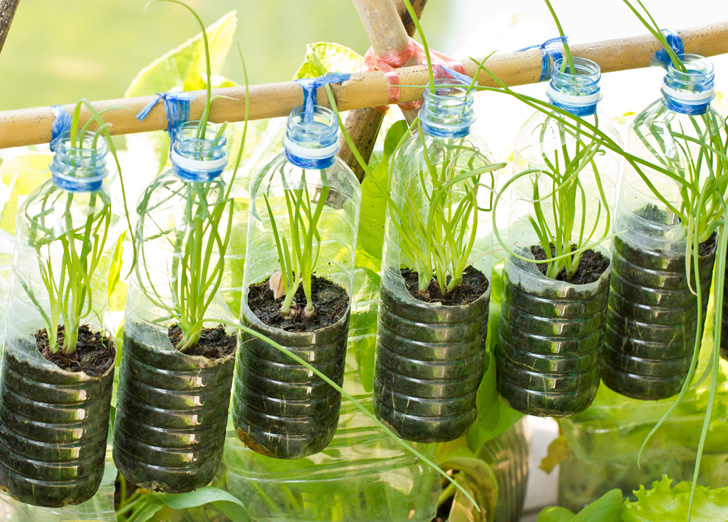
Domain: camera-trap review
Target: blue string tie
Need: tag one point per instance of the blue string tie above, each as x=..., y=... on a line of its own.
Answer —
x=61, y=125
x=176, y=106
x=662, y=57
x=311, y=144
x=550, y=52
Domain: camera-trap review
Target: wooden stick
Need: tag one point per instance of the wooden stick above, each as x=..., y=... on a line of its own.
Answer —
x=363, y=125
x=7, y=12
x=33, y=126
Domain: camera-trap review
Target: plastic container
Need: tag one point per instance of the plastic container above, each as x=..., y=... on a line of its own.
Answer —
x=361, y=476
x=550, y=334
x=430, y=356
x=280, y=408
x=54, y=422
x=172, y=407
x=652, y=319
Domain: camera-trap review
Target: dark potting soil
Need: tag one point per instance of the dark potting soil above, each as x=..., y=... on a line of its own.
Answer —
x=443, y=510
x=95, y=351
x=592, y=265
x=655, y=214
x=330, y=300
x=474, y=284
x=214, y=343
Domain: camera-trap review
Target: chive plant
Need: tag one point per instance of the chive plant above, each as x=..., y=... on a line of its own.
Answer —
x=68, y=284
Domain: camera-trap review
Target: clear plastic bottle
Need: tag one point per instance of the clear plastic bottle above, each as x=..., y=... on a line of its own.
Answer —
x=173, y=404
x=652, y=320
x=430, y=355
x=53, y=421
x=280, y=408
x=551, y=330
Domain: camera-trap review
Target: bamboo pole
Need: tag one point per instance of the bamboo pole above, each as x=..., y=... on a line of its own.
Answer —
x=363, y=124
x=33, y=126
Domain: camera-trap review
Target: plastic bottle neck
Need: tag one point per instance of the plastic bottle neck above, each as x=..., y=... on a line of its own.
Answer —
x=195, y=159
x=690, y=91
x=575, y=90
x=447, y=112
x=79, y=169
x=312, y=142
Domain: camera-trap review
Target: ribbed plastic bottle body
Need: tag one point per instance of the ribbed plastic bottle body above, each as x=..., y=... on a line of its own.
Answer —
x=172, y=410
x=280, y=408
x=652, y=321
x=430, y=356
x=54, y=422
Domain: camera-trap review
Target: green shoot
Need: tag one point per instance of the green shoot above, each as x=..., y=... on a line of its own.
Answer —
x=69, y=254
x=567, y=51
x=201, y=129
x=299, y=254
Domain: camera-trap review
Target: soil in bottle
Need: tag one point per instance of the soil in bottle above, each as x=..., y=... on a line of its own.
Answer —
x=473, y=285
x=214, y=343
x=94, y=354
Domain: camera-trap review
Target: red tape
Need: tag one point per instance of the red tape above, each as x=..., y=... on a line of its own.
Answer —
x=389, y=62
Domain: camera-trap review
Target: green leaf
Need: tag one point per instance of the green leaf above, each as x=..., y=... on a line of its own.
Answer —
x=374, y=203
x=666, y=504
x=608, y=508
x=557, y=453
x=555, y=514
x=322, y=57
x=477, y=477
x=23, y=174
x=116, y=287
x=147, y=509
x=198, y=497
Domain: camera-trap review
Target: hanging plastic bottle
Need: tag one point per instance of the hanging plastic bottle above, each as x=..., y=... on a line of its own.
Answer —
x=652, y=322
x=435, y=290
x=299, y=271
x=177, y=364
x=58, y=362
x=553, y=314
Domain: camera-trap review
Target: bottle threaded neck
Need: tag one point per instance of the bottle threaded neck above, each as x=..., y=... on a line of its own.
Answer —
x=575, y=90
x=691, y=91
x=312, y=140
x=81, y=168
x=198, y=159
x=447, y=112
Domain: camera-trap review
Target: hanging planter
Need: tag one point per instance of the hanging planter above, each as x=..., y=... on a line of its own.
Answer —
x=177, y=363
x=556, y=284
x=655, y=319
x=58, y=363
x=299, y=272
x=433, y=312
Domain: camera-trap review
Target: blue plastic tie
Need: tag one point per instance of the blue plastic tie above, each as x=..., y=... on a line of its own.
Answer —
x=60, y=126
x=550, y=52
x=662, y=57
x=310, y=85
x=176, y=105
x=460, y=77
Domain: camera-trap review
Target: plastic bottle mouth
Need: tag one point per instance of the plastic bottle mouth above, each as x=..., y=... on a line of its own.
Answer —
x=447, y=112
x=575, y=90
x=195, y=159
x=79, y=169
x=312, y=140
x=690, y=91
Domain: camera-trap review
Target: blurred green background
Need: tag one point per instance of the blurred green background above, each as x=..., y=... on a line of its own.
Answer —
x=58, y=51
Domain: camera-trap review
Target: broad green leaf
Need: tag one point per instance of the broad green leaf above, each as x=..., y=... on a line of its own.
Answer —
x=146, y=509
x=232, y=511
x=666, y=504
x=198, y=497
x=557, y=452
x=23, y=174
x=322, y=57
x=555, y=514
x=374, y=203
x=479, y=480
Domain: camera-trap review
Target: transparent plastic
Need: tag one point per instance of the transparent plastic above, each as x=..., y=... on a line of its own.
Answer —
x=53, y=422
x=280, y=408
x=652, y=320
x=430, y=356
x=172, y=410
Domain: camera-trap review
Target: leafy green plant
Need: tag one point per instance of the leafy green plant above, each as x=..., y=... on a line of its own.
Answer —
x=68, y=284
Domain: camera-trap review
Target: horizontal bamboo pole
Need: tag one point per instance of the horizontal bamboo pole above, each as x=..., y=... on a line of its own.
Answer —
x=33, y=126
